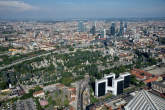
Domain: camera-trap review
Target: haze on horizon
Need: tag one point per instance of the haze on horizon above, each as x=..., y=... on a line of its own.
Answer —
x=59, y=9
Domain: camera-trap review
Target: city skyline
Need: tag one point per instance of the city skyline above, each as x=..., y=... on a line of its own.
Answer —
x=61, y=55
x=64, y=9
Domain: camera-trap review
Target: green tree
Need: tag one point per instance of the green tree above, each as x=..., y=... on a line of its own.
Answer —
x=116, y=58
x=66, y=102
x=133, y=80
x=51, y=101
x=71, y=49
x=3, y=85
x=37, y=88
x=66, y=80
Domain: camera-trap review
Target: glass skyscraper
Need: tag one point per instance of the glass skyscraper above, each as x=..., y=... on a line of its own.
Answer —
x=93, y=30
x=81, y=27
x=121, y=31
x=112, y=29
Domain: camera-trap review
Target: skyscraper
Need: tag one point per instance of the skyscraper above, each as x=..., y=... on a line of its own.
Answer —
x=112, y=29
x=105, y=33
x=125, y=27
x=121, y=31
x=126, y=78
x=81, y=27
x=93, y=30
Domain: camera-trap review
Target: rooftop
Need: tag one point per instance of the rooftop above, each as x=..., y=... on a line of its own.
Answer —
x=38, y=92
x=145, y=100
x=157, y=70
x=146, y=76
x=160, y=83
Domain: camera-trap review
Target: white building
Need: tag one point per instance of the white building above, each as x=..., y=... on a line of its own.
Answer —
x=112, y=84
x=100, y=85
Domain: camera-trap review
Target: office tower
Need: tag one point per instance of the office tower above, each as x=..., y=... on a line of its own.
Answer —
x=121, y=31
x=112, y=84
x=145, y=100
x=100, y=87
x=110, y=78
x=105, y=33
x=93, y=30
x=110, y=81
x=112, y=29
x=81, y=27
x=125, y=27
x=118, y=85
x=126, y=78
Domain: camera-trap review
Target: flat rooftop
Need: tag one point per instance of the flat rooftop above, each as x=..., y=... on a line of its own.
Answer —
x=160, y=83
x=156, y=70
x=116, y=103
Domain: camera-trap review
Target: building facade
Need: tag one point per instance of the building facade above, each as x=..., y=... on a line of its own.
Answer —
x=112, y=84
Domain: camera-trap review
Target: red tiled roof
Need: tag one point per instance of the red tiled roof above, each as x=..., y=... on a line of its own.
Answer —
x=143, y=74
x=140, y=73
x=151, y=80
x=72, y=89
x=38, y=92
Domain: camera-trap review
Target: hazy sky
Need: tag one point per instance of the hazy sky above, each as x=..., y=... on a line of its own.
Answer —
x=52, y=9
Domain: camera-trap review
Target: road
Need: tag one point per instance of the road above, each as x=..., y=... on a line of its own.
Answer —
x=4, y=53
x=22, y=60
x=30, y=58
x=83, y=84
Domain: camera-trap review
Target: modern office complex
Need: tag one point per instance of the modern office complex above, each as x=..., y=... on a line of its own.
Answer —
x=105, y=33
x=126, y=78
x=121, y=29
x=112, y=84
x=93, y=30
x=112, y=29
x=145, y=100
x=81, y=27
x=100, y=87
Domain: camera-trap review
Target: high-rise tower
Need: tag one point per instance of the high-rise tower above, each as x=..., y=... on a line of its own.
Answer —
x=93, y=30
x=125, y=27
x=112, y=29
x=105, y=33
x=121, y=31
x=81, y=27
